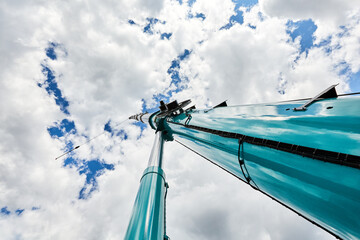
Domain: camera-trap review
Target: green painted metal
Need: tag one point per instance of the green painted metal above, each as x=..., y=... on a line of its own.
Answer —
x=147, y=219
x=151, y=120
x=325, y=193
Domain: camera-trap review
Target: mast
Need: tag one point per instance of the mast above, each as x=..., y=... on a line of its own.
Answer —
x=148, y=218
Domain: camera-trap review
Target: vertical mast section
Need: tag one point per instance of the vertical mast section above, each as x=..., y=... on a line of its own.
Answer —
x=148, y=215
x=156, y=154
x=148, y=218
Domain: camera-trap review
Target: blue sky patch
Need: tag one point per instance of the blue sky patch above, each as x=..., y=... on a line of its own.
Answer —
x=354, y=82
x=52, y=88
x=140, y=124
x=55, y=132
x=325, y=45
x=344, y=32
x=176, y=82
x=237, y=18
x=70, y=162
x=60, y=129
x=353, y=78
x=50, y=51
x=5, y=211
x=68, y=126
x=165, y=35
x=107, y=127
x=19, y=211
x=251, y=26
x=122, y=134
x=191, y=2
x=143, y=105
x=344, y=68
x=261, y=16
x=197, y=15
x=303, y=29
x=200, y=15
x=173, y=71
x=176, y=85
x=131, y=22
x=184, y=55
x=244, y=3
x=149, y=27
x=92, y=170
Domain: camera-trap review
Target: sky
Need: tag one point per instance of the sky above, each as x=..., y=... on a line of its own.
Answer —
x=75, y=70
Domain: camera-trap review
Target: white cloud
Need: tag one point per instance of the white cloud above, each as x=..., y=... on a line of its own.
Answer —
x=247, y=65
x=122, y=64
x=346, y=43
x=241, y=64
x=217, y=12
x=333, y=12
x=328, y=15
x=105, y=67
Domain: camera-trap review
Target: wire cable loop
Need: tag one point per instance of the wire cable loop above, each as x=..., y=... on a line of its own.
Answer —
x=243, y=168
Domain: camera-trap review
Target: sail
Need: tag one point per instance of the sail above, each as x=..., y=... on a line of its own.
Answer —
x=307, y=160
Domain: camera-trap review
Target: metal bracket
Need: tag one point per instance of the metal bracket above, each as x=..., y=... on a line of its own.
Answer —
x=138, y=116
x=330, y=92
x=187, y=121
x=223, y=104
x=172, y=108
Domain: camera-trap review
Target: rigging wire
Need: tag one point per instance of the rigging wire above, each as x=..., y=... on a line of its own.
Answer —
x=73, y=149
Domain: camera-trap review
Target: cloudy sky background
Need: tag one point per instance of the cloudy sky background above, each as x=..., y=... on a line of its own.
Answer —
x=71, y=70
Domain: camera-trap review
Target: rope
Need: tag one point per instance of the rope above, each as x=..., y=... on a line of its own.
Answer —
x=243, y=166
x=88, y=141
x=166, y=190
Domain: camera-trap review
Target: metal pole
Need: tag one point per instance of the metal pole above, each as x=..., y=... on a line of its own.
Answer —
x=147, y=219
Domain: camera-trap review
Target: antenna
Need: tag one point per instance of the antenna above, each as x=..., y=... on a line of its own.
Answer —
x=73, y=149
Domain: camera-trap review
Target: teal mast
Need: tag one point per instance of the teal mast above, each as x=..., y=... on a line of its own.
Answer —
x=304, y=154
x=148, y=218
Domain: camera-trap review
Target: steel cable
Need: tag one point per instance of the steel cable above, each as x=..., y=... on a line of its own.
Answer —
x=88, y=140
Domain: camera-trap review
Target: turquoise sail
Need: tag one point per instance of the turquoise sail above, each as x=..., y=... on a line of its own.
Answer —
x=306, y=160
